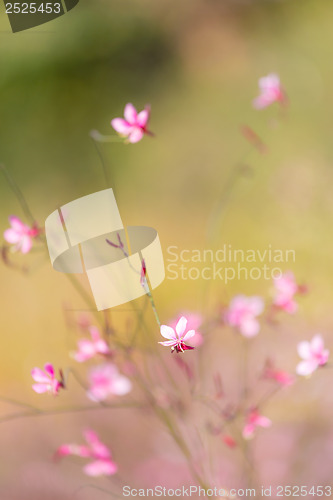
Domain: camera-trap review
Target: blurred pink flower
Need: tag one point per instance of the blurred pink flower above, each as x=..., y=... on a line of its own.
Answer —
x=20, y=235
x=133, y=125
x=46, y=380
x=87, y=349
x=229, y=441
x=103, y=465
x=270, y=91
x=286, y=287
x=177, y=336
x=105, y=380
x=314, y=355
x=282, y=377
x=242, y=314
x=253, y=420
x=194, y=321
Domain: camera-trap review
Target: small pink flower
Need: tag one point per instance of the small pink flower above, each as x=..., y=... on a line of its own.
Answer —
x=281, y=377
x=177, y=337
x=87, y=349
x=270, y=91
x=242, y=314
x=20, y=235
x=286, y=288
x=105, y=380
x=229, y=441
x=102, y=464
x=133, y=125
x=46, y=380
x=314, y=355
x=194, y=321
x=254, y=420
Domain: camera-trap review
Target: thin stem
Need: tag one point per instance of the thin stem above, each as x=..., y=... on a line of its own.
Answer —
x=73, y=409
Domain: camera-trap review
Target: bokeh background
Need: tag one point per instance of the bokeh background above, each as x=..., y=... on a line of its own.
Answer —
x=197, y=63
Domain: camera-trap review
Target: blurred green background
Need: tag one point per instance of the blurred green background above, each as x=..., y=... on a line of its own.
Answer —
x=197, y=63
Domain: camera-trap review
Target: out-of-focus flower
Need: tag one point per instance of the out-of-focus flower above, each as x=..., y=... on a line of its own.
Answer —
x=20, y=235
x=283, y=378
x=143, y=277
x=229, y=441
x=254, y=420
x=242, y=314
x=102, y=464
x=105, y=380
x=286, y=288
x=194, y=322
x=270, y=91
x=133, y=125
x=46, y=380
x=177, y=337
x=313, y=354
x=87, y=349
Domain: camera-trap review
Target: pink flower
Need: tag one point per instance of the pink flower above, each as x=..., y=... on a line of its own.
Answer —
x=87, y=349
x=105, y=380
x=313, y=354
x=229, y=441
x=242, y=314
x=20, y=235
x=133, y=125
x=102, y=464
x=270, y=91
x=286, y=287
x=194, y=321
x=177, y=336
x=46, y=380
x=272, y=373
x=254, y=420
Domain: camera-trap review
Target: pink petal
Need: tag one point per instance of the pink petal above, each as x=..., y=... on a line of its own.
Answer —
x=324, y=357
x=248, y=431
x=135, y=135
x=86, y=351
x=167, y=332
x=130, y=114
x=95, y=334
x=189, y=335
x=121, y=386
x=143, y=117
x=49, y=369
x=41, y=388
x=121, y=126
x=39, y=376
x=102, y=347
x=263, y=421
x=181, y=326
x=317, y=344
x=17, y=224
x=306, y=368
x=26, y=244
x=256, y=305
x=262, y=102
x=100, y=468
x=249, y=327
x=169, y=343
x=271, y=81
x=304, y=350
x=11, y=236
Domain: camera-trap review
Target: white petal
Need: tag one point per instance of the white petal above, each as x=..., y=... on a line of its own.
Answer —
x=167, y=332
x=181, y=326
